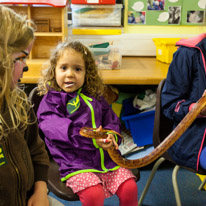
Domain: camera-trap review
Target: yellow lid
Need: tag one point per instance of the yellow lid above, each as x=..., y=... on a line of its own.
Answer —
x=166, y=40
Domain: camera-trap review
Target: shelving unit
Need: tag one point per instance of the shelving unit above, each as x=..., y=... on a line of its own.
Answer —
x=52, y=11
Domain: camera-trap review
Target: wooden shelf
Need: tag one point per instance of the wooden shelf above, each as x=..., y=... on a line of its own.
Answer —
x=56, y=3
x=53, y=14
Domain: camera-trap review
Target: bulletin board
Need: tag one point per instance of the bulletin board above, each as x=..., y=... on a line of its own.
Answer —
x=166, y=12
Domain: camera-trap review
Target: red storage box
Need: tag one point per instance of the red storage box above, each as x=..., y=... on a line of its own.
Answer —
x=55, y=3
x=93, y=1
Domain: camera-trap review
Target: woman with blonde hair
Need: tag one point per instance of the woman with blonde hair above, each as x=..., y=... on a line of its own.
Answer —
x=23, y=158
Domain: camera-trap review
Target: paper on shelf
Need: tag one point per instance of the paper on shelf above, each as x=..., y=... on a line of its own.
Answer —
x=127, y=146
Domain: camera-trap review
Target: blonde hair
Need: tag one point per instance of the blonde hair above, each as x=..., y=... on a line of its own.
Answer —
x=15, y=36
x=92, y=84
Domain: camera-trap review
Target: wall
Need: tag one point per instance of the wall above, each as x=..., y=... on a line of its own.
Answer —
x=137, y=40
x=167, y=30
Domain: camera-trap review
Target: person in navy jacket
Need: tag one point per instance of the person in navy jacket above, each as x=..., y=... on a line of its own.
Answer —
x=184, y=86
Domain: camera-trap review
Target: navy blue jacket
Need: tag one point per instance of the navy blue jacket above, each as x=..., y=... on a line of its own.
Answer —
x=185, y=84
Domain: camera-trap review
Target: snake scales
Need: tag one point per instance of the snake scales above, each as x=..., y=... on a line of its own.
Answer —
x=159, y=150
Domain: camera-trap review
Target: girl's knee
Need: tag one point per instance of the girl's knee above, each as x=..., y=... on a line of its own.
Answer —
x=129, y=187
x=128, y=193
x=92, y=196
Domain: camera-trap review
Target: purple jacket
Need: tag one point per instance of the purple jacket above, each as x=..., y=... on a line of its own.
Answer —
x=60, y=116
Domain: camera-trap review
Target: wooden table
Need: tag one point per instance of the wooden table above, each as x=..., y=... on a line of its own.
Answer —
x=133, y=71
x=136, y=71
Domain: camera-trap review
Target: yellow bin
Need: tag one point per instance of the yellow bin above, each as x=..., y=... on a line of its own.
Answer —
x=165, y=48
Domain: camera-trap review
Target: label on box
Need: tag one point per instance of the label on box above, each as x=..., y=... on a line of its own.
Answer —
x=159, y=51
x=92, y=1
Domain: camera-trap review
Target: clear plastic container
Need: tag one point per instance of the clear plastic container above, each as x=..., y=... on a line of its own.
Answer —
x=96, y=15
x=107, y=56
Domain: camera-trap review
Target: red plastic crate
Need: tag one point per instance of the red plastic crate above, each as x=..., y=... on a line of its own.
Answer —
x=93, y=1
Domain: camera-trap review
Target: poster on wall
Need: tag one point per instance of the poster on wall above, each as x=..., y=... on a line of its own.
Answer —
x=166, y=12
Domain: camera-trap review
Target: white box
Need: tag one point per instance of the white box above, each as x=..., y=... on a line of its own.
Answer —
x=96, y=15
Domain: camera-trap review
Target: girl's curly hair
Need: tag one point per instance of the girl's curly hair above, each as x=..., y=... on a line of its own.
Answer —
x=93, y=83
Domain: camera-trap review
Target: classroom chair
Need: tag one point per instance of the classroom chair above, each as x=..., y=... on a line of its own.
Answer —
x=55, y=185
x=162, y=128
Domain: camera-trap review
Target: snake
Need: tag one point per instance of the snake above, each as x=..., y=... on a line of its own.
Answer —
x=176, y=133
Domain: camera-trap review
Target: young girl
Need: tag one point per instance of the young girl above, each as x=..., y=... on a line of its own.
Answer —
x=23, y=158
x=73, y=99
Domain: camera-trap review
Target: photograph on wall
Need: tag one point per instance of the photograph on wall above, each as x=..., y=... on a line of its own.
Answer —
x=193, y=12
x=155, y=4
x=166, y=12
x=174, y=14
x=154, y=12
x=136, y=17
x=195, y=17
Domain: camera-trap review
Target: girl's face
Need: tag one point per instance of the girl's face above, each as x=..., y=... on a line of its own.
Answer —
x=70, y=71
x=19, y=60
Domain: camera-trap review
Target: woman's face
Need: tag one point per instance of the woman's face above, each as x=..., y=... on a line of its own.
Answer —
x=19, y=60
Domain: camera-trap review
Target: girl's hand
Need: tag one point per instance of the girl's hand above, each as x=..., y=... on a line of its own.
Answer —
x=108, y=142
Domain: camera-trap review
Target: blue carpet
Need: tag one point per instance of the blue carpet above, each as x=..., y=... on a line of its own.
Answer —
x=161, y=191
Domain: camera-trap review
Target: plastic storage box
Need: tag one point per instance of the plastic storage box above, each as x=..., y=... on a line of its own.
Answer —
x=96, y=15
x=93, y=1
x=141, y=127
x=165, y=48
x=106, y=56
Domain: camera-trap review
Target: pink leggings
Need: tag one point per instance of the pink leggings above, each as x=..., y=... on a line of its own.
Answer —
x=94, y=196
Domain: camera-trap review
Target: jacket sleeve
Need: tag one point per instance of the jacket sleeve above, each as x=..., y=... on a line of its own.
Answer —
x=110, y=119
x=37, y=149
x=176, y=95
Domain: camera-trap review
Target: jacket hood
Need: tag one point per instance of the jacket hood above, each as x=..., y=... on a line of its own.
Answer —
x=192, y=42
x=197, y=42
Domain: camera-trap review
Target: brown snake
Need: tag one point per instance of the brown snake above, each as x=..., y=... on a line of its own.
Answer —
x=159, y=150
